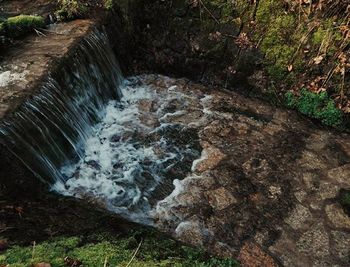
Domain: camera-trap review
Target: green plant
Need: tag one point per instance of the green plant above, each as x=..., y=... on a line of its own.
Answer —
x=70, y=9
x=2, y=28
x=344, y=200
x=109, y=4
x=97, y=249
x=318, y=106
x=19, y=25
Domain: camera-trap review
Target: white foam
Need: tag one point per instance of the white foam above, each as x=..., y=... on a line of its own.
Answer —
x=163, y=209
x=204, y=156
x=119, y=166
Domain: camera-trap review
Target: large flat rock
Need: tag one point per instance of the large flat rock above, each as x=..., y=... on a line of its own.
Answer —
x=27, y=64
x=265, y=188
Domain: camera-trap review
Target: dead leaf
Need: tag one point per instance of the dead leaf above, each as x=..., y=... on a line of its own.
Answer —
x=318, y=60
x=42, y=264
x=290, y=68
x=70, y=262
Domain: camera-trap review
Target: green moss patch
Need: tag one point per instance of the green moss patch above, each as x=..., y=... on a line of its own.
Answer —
x=19, y=25
x=71, y=9
x=344, y=200
x=318, y=106
x=154, y=250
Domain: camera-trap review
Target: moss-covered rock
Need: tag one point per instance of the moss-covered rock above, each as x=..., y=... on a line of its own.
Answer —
x=22, y=24
x=71, y=9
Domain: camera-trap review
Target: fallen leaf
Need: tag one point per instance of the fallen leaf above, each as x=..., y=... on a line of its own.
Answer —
x=318, y=60
x=42, y=264
x=70, y=262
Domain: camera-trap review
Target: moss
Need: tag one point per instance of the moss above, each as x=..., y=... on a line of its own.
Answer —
x=155, y=250
x=327, y=38
x=109, y=4
x=2, y=27
x=70, y=9
x=318, y=106
x=345, y=200
x=19, y=25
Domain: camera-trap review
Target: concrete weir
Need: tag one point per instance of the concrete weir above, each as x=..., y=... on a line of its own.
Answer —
x=26, y=66
x=23, y=73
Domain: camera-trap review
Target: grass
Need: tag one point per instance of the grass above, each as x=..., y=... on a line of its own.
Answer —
x=154, y=250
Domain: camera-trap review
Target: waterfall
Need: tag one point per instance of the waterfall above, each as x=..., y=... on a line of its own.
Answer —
x=90, y=133
x=50, y=128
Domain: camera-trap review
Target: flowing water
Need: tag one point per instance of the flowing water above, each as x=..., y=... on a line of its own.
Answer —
x=91, y=134
x=51, y=128
x=133, y=155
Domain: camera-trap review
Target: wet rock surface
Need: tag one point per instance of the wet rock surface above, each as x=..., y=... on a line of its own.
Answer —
x=265, y=188
x=28, y=63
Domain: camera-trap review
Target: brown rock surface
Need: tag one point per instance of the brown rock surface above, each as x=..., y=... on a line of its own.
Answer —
x=27, y=64
x=252, y=255
x=270, y=182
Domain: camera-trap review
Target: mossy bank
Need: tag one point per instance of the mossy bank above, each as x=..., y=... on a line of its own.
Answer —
x=139, y=248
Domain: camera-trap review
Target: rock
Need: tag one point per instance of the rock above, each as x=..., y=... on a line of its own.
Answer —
x=211, y=157
x=274, y=191
x=328, y=190
x=310, y=179
x=337, y=216
x=315, y=241
x=94, y=164
x=341, y=175
x=191, y=232
x=220, y=198
x=341, y=245
x=300, y=195
x=115, y=138
x=299, y=217
x=251, y=255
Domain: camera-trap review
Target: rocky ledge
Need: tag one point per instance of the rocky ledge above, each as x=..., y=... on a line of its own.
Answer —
x=27, y=64
x=266, y=187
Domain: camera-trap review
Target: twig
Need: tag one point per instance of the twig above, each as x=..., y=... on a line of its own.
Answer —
x=211, y=14
x=342, y=86
x=302, y=41
x=255, y=9
x=39, y=33
x=106, y=261
x=45, y=30
x=33, y=251
x=133, y=256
